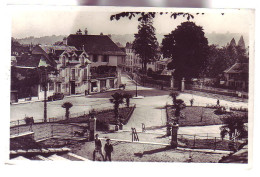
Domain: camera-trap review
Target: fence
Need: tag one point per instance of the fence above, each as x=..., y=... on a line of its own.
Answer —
x=150, y=82
x=207, y=142
x=20, y=126
x=44, y=131
x=214, y=90
x=60, y=118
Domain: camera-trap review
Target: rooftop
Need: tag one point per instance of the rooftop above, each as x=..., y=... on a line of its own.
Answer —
x=237, y=68
x=95, y=44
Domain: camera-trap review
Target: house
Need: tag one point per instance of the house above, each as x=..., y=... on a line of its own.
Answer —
x=26, y=77
x=73, y=67
x=237, y=76
x=162, y=64
x=107, y=59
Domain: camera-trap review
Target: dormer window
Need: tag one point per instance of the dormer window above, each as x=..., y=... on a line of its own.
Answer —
x=82, y=60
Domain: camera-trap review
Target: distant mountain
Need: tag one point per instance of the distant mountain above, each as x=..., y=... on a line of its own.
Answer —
x=41, y=40
x=220, y=39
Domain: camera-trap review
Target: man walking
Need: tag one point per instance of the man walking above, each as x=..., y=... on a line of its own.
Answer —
x=98, y=148
x=108, y=149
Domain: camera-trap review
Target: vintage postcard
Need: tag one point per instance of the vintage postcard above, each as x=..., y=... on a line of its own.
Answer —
x=131, y=84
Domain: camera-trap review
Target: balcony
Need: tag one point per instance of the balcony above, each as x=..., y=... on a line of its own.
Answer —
x=73, y=78
x=99, y=76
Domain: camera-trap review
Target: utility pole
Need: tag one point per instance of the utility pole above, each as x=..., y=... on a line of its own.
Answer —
x=45, y=96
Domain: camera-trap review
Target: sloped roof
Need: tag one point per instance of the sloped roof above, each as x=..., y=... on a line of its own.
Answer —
x=238, y=68
x=31, y=60
x=59, y=52
x=48, y=48
x=79, y=52
x=95, y=44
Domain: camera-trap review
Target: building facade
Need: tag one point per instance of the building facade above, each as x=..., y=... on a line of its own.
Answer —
x=107, y=60
x=237, y=76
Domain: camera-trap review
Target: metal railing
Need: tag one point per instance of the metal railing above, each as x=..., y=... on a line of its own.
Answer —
x=206, y=141
x=215, y=90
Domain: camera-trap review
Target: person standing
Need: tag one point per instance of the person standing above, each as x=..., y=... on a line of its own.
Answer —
x=98, y=148
x=217, y=102
x=108, y=150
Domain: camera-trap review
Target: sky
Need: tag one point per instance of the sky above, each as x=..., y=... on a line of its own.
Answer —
x=46, y=21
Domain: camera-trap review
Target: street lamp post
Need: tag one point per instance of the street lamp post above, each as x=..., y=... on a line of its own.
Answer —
x=43, y=67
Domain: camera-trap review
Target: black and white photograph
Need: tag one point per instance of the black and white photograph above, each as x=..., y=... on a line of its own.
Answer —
x=118, y=84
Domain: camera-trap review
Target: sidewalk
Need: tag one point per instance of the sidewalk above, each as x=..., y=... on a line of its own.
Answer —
x=156, y=150
x=35, y=99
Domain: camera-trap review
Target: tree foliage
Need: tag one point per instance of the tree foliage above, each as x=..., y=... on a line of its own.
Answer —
x=67, y=106
x=127, y=97
x=233, y=125
x=174, y=95
x=188, y=48
x=145, y=44
x=144, y=16
x=222, y=58
x=117, y=99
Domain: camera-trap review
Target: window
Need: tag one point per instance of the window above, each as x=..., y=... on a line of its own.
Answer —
x=63, y=61
x=51, y=86
x=105, y=58
x=82, y=60
x=73, y=72
x=85, y=74
x=95, y=58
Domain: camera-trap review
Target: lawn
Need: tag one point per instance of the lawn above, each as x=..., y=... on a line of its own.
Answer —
x=198, y=116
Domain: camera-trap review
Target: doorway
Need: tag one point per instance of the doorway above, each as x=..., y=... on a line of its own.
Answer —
x=72, y=84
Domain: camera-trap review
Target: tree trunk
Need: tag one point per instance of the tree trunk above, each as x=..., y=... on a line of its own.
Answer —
x=67, y=113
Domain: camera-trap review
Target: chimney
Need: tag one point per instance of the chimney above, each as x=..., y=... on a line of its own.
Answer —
x=64, y=41
x=86, y=31
x=79, y=32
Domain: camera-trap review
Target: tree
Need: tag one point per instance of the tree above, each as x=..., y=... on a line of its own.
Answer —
x=187, y=46
x=127, y=97
x=145, y=44
x=233, y=125
x=216, y=62
x=148, y=15
x=221, y=58
x=67, y=106
x=117, y=99
x=174, y=95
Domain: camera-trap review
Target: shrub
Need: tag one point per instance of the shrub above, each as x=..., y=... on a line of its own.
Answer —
x=220, y=111
x=29, y=120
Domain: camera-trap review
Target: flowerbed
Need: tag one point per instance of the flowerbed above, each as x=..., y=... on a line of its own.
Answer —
x=197, y=116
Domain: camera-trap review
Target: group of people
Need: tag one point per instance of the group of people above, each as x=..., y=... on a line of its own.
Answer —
x=98, y=149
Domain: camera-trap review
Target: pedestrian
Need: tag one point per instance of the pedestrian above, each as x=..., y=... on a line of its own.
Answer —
x=98, y=148
x=217, y=102
x=108, y=150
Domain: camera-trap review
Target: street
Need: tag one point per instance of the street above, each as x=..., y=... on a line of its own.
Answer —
x=149, y=110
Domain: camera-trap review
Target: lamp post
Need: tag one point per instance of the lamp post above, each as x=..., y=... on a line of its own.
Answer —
x=44, y=79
